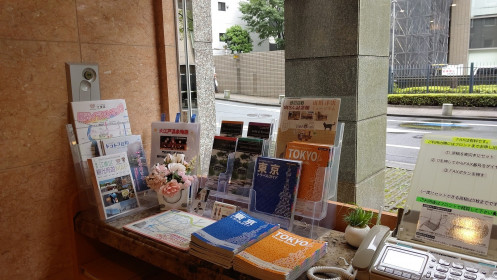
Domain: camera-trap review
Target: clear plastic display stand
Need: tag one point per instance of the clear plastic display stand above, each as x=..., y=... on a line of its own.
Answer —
x=285, y=222
x=86, y=194
x=452, y=201
x=306, y=223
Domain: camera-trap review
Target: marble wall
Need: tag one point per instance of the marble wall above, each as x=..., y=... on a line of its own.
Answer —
x=38, y=184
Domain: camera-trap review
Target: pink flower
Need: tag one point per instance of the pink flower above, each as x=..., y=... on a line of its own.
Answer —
x=170, y=188
x=154, y=182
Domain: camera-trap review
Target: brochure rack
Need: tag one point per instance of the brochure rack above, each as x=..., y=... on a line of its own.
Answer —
x=306, y=224
x=284, y=222
x=86, y=194
x=269, y=144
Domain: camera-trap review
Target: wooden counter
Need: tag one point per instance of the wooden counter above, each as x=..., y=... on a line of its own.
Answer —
x=178, y=262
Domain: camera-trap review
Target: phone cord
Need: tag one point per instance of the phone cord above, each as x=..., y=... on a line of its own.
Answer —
x=340, y=273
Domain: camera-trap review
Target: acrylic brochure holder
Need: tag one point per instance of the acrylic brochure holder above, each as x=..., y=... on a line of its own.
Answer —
x=452, y=201
x=285, y=222
x=306, y=222
x=268, y=144
x=86, y=194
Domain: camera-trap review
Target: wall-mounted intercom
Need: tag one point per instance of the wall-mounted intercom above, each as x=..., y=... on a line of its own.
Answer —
x=83, y=82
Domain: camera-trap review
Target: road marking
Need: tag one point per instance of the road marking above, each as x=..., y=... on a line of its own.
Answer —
x=252, y=107
x=404, y=147
x=444, y=123
x=396, y=130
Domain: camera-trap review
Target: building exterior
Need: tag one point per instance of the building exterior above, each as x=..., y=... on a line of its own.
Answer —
x=483, y=33
x=420, y=32
x=225, y=14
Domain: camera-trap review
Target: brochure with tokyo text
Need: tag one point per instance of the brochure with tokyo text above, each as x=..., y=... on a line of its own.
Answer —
x=219, y=242
x=316, y=158
x=281, y=255
x=274, y=188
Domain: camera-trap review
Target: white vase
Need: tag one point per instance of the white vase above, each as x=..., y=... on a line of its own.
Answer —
x=355, y=235
x=177, y=201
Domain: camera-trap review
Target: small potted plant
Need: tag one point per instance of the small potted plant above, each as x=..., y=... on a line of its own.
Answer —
x=357, y=220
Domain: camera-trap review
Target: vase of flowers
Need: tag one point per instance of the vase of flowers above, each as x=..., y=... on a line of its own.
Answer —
x=171, y=180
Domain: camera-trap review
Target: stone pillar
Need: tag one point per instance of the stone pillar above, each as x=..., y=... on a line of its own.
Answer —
x=202, y=45
x=339, y=48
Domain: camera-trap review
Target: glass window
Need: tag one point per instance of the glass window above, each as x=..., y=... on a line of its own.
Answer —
x=220, y=36
x=221, y=6
x=483, y=33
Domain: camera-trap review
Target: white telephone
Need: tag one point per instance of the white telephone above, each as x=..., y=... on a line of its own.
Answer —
x=382, y=257
x=366, y=253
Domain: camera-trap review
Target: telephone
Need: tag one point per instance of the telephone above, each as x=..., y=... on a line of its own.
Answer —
x=362, y=260
x=381, y=257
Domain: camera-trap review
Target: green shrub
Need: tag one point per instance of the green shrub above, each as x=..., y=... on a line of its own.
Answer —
x=433, y=99
x=446, y=89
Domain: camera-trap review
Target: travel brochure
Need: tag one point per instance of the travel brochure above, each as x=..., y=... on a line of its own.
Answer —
x=240, y=168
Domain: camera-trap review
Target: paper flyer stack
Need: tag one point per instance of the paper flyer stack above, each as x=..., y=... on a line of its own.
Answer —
x=280, y=256
x=220, y=242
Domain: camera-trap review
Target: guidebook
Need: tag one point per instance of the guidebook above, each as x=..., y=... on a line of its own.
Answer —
x=174, y=138
x=281, y=255
x=223, y=149
x=231, y=128
x=274, y=189
x=173, y=227
x=260, y=130
x=219, y=242
x=113, y=185
x=311, y=120
x=132, y=145
x=316, y=158
x=247, y=152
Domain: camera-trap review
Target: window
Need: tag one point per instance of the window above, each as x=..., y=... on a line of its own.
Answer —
x=488, y=43
x=220, y=36
x=483, y=33
x=489, y=21
x=221, y=6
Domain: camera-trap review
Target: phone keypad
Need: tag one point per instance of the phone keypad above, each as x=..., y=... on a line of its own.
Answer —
x=438, y=267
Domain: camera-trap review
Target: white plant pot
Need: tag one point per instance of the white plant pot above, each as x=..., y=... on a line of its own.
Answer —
x=355, y=235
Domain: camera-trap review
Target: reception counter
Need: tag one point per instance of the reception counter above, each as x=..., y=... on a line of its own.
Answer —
x=179, y=263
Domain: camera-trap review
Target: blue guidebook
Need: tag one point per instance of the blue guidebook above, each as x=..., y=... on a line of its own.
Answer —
x=274, y=189
x=219, y=242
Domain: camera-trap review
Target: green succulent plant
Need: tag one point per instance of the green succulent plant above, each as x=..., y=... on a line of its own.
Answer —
x=358, y=217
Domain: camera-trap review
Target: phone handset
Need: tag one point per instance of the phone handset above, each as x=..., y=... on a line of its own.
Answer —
x=362, y=260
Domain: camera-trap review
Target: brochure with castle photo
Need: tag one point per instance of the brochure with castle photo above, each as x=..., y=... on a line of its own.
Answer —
x=311, y=120
x=247, y=152
x=223, y=148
